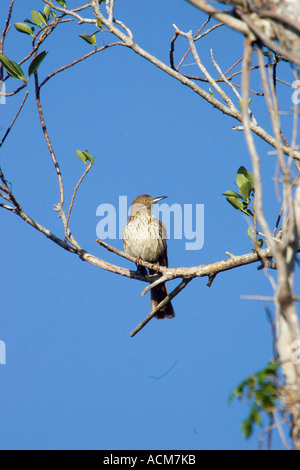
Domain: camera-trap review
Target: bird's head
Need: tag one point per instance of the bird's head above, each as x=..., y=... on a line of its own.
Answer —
x=144, y=201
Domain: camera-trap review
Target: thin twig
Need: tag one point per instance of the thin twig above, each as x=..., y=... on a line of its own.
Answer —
x=263, y=298
x=75, y=62
x=6, y=206
x=274, y=334
x=72, y=12
x=203, y=69
x=6, y=27
x=279, y=425
x=14, y=119
x=197, y=36
x=268, y=430
x=223, y=76
x=13, y=93
x=158, y=281
x=47, y=139
x=295, y=183
x=68, y=235
x=88, y=167
x=166, y=300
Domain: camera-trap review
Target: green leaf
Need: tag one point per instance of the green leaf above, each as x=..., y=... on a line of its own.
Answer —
x=272, y=368
x=29, y=21
x=88, y=156
x=237, y=392
x=24, y=28
x=47, y=11
x=99, y=23
x=53, y=14
x=250, y=178
x=236, y=203
x=43, y=18
x=36, y=63
x=267, y=54
x=255, y=415
x=247, y=428
x=239, y=205
x=241, y=177
x=37, y=18
x=12, y=68
x=62, y=3
x=232, y=193
x=261, y=376
x=241, y=103
x=85, y=156
x=246, y=189
x=260, y=242
x=244, y=176
x=89, y=39
x=81, y=156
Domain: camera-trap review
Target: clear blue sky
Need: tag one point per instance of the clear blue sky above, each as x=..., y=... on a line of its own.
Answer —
x=74, y=378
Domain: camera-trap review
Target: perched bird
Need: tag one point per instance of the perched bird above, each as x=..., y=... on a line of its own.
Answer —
x=145, y=238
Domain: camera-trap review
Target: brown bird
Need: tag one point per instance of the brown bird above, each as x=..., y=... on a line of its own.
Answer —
x=145, y=238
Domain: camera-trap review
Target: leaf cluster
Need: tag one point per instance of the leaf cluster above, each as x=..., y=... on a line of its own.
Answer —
x=40, y=19
x=262, y=394
x=241, y=200
x=15, y=71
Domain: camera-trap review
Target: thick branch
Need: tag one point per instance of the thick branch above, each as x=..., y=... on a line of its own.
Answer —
x=226, y=18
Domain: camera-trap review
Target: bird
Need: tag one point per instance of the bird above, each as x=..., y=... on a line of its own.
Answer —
x=144, y=237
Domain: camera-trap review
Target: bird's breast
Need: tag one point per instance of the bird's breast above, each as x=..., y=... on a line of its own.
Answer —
x=144, y=237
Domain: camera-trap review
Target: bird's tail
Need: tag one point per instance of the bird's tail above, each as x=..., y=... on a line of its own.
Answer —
x=158, y=294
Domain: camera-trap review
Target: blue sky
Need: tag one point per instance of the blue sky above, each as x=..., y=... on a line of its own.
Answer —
x=74, y=379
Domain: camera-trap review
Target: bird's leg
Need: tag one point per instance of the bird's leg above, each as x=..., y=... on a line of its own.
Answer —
x=140, y=268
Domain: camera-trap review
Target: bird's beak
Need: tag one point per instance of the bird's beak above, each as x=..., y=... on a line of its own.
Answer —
x=156, y=199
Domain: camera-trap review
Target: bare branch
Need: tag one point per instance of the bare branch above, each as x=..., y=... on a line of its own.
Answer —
x=13, y=93
x=6, y=28
x=6, y=206
x=145, y=264
x=71, y=12
x=77, y=61
x=226, y=18
x=158, y=281
x=14, y=119
x=167, y=299
x=88, y=167
x=47, y=139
